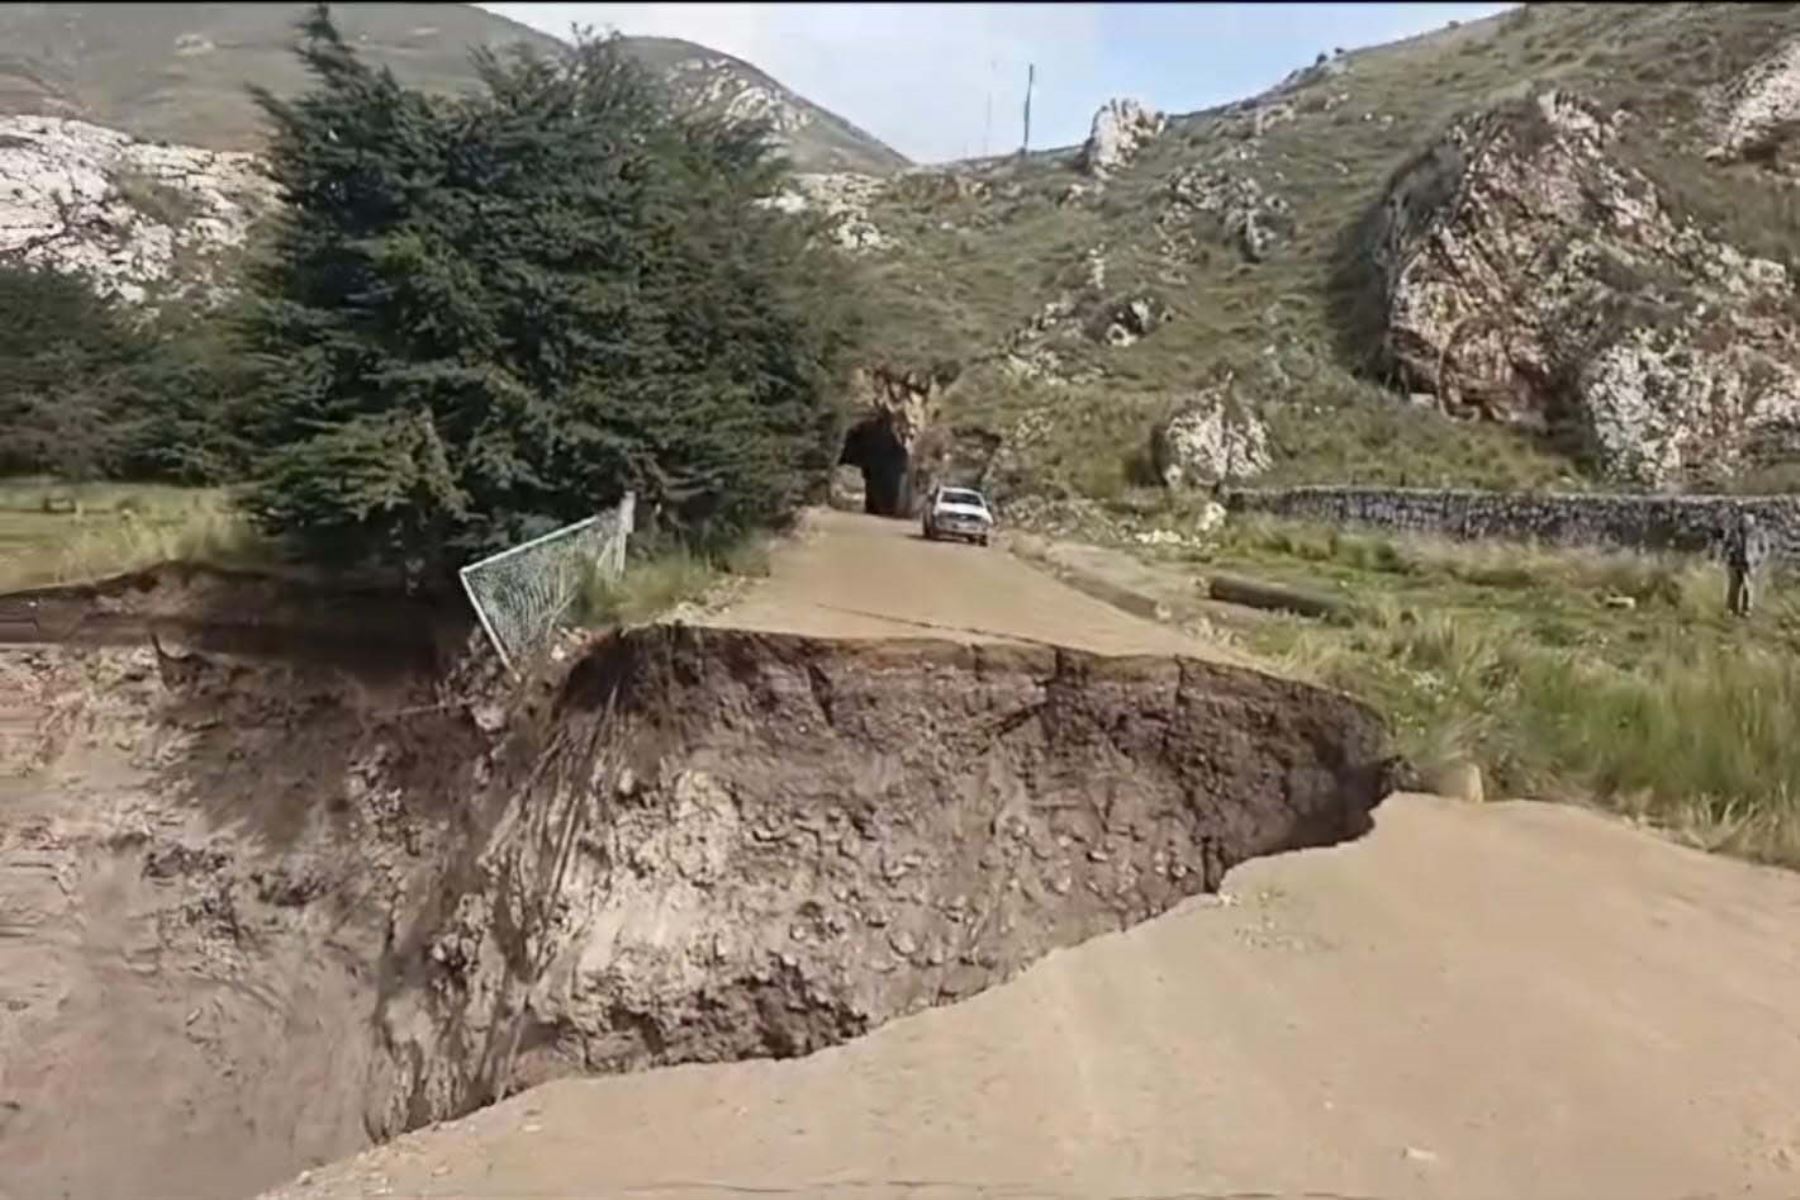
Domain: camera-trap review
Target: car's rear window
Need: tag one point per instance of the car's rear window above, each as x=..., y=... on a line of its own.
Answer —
x=951, y=496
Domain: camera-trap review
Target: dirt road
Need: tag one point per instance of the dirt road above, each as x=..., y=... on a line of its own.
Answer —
x=855, y=576
x=1500, y=1001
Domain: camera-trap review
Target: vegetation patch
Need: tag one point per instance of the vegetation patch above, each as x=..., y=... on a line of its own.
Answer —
x=1613, y=678
x=57, y=532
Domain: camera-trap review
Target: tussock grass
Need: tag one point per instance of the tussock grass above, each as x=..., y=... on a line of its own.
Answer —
x=1514, y=657
x=54, y=533
x=662, y=578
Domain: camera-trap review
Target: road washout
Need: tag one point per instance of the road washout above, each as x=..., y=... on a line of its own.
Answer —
x=266, y=907
x=1484, y=1001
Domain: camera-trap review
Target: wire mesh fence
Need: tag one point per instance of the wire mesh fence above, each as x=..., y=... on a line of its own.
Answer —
x=521, y=594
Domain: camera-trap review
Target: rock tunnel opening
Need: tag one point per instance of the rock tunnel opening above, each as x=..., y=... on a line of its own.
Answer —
x=873, y=447
x=691, y=845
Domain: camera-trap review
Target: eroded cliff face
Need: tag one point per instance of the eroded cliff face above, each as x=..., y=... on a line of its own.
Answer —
x=1531, y=276
x=739, y=845
x=304, y=904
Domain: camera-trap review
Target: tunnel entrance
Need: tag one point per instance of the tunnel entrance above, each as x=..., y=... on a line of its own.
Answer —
x=876, y=450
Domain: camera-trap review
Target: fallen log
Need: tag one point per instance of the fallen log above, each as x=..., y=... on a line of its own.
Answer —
x=1253, y=593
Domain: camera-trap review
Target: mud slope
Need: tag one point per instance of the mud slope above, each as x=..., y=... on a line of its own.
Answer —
x=260, y=912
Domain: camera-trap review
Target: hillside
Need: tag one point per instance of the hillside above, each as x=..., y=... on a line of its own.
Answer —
x=1302, y=277
x=177, y=72
x=1555, y=248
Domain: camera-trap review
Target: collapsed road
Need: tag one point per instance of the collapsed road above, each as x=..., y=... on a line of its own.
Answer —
x=273, y=895
x=266, y=914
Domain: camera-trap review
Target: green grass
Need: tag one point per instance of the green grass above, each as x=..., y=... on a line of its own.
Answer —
x=62, y=533
x=661, y=579
x=1526, y=661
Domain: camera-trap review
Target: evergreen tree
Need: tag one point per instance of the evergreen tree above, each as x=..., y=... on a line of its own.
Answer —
x=90, y=389
x=65, y=358
x=490, y=315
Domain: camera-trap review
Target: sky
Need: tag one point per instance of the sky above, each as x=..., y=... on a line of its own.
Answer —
x=946, y=81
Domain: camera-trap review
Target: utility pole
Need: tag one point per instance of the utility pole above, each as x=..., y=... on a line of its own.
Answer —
x=987, y=124
x=1030, y=78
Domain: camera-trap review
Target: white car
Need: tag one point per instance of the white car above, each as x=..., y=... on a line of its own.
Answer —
x=958, y=513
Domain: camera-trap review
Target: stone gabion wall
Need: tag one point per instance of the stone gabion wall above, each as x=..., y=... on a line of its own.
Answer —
x=1630, y=522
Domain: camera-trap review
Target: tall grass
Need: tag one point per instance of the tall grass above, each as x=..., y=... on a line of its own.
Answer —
x=1508, y=656
x=664, y=578
x=52, y=533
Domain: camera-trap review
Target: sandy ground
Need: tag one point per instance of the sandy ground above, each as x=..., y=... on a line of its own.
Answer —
x=1474, y=1001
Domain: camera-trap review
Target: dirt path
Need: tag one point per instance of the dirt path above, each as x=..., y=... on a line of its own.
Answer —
x=856, y=576
x=1500, y=1001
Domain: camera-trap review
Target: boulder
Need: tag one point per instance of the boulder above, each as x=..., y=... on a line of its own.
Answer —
x=1210, y=439
x=1531, y=277
x=1120, y=129
x=1126, y=321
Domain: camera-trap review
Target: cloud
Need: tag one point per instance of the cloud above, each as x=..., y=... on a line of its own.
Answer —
x=946, y=81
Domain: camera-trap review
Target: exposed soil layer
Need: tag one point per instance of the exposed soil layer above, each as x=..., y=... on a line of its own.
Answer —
x=239, y=612
x=260, y=912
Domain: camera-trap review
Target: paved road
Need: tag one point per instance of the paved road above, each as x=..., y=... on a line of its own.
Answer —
x=1503, y=1001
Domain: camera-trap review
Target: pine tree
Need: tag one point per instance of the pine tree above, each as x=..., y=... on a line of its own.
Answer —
x=490, y=315
x=65, y=358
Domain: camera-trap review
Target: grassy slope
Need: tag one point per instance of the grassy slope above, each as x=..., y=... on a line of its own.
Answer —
x=1513, y=657
x=830, y=143
x=967, y=270
x=177, y=72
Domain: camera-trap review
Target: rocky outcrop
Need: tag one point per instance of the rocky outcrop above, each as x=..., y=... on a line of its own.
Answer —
x=710, y=83
x=905, y=399
x=1249, y=216
x=843, y=199
x=1757, y=112
x=1531, y=277
x=718, y=85
x=134, y=217
x=1211, y=438
x=1120, y=129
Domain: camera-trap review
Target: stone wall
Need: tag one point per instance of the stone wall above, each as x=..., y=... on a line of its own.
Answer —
x=1623, y=521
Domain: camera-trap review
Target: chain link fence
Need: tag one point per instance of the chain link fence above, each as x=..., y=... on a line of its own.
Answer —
x=520, y=595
